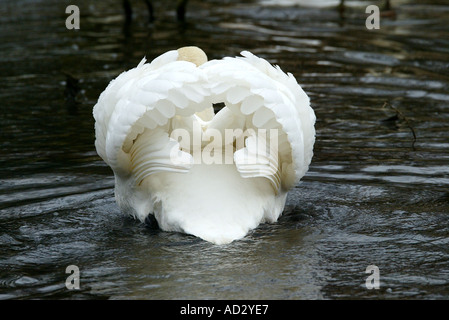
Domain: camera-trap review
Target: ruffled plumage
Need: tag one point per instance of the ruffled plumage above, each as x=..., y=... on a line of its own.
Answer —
x=212, y=176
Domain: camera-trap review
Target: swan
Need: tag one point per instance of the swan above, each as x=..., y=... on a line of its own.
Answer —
x=212, y=175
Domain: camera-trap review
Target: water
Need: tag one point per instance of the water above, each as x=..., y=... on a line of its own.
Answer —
x=374, y=194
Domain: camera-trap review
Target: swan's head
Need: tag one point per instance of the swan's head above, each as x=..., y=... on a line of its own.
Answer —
x=192, y=54
x=198, y=57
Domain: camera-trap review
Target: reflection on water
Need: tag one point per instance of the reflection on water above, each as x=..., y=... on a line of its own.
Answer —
x=373, y=195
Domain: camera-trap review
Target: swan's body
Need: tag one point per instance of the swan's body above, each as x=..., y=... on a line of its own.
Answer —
x=173, y=158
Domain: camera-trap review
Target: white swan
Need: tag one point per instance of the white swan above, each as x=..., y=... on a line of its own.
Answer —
x=215, y=176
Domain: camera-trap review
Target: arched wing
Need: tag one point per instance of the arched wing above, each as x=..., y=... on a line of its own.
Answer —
x=134, y=114
x=263, y=97
x=139, y=110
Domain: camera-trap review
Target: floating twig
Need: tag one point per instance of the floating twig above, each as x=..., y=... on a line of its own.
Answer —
x=400, y=116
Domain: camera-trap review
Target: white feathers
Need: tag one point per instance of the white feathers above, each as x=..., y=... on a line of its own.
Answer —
x=156, y=129
x=259, y=159
x=251, y=104
x=154, y=151
x=273, y=96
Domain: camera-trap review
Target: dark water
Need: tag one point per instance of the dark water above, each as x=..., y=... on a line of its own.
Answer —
x=374, y=194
